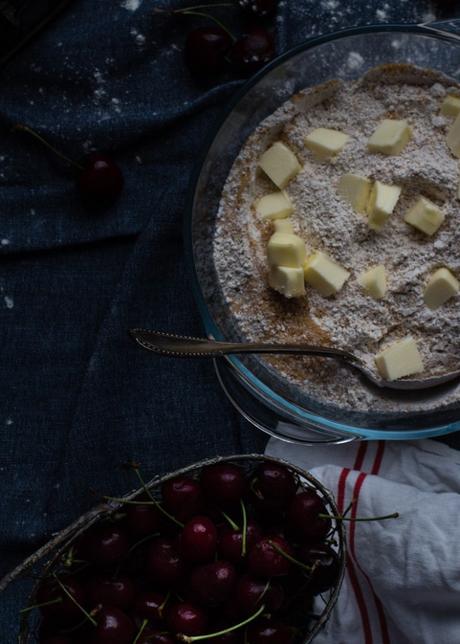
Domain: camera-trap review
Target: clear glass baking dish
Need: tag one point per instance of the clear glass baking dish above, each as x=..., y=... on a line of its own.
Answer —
x=343, y=55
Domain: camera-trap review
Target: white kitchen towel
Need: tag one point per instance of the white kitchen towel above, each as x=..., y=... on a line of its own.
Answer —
x=402, y=584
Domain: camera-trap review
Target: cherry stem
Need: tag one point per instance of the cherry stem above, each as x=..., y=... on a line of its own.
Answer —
x=245, y=528
x=24, y=128
x=58, y=600
x=155, y=502
x=200, y=14
x=290, y=558
x=141, y=630
x=189, y=639
x=341, y=517
x=141, y=541
x=233, y=525
x=162, y=606
x=72, y=598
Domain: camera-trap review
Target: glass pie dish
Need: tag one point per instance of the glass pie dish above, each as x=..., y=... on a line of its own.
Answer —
x=258, y=392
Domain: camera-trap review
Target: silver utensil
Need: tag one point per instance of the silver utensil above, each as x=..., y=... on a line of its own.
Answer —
x=179, y=346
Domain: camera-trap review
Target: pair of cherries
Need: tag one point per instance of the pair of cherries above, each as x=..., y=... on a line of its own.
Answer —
x=229, y=557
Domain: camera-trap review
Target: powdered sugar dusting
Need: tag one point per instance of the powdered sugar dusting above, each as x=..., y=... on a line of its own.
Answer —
x=351, y=320
x=131, y=5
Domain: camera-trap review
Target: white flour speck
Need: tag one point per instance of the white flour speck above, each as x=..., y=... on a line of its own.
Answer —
x=9, y=302
x=5, y=242
x=381, y=14
x=33, y=211
x=355, y=60
x=9, y=421
x=131, y=5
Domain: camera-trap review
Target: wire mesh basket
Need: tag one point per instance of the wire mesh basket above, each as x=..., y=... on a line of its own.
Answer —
x=49, y=558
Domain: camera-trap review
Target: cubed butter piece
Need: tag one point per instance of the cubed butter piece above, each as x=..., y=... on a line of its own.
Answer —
x=441, y=286
x=280, y=164
x=356, y=190
x=374, y=281
x=276, y=205
x=382, y=202
x=324, y=274
x=326, y=143
x=451, y=106
x=400, y=359
x=283, y=226
x=453, y=137
x=425, y=216
x=287, y=281
x=286, y=249
x=390, y=137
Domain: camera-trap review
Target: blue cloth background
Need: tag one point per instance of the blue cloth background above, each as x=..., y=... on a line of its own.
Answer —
x=77, y=398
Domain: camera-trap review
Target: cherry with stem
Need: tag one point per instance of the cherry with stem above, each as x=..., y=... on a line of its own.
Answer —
x=189, y=639
x=99, y=179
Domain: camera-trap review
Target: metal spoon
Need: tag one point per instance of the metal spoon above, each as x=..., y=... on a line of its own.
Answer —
x=179, y=346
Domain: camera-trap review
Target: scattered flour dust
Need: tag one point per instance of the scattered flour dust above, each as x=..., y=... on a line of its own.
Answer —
x=9, y=302
x=131, y=5
x=350, y=320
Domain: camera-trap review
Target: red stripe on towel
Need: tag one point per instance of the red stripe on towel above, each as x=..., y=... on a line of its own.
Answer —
x=358, y=486
x=350, y=567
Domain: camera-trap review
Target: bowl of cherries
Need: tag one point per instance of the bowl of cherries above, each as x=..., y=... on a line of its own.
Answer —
x=235, y=550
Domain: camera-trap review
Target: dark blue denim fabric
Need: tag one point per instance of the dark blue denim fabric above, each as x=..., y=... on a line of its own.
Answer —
x=77, y=398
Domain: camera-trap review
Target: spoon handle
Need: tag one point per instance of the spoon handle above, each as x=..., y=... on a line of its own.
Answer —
x=183, y=347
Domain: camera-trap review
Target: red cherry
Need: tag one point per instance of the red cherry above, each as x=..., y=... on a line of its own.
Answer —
x=101, y=181
x=267, y=632
x=182, y=497
x=149, y=605
x=118, y=592
x=212, y=584
x=327, y=566
x=231, y=541
x=186, y=619
x=250, y=593
x=113, y=627
x=274, y=487
x=205, y=50
x=223, y=483
x=142, y=520
x=252, y=51
x=199, y=540
x=65, y=611
x=164, y=563
x=302, y=515
x=265, y=561
x=105, y=545
x=155, y=637
x=258, y=8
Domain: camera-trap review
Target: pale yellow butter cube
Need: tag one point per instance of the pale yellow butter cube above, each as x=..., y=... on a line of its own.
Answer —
x=326, y=143
x=280, y=164
x=382, y=202
x=402, y=358
x=324, y=274
x=287, y=281
x=390, y=137
x=283, y=226
x=356, y=190
x=276, y=205
x=374, y=281
x=453, y=137
x=425, y=216
x=451, y=106
x=286, y=249
x=441, y=286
